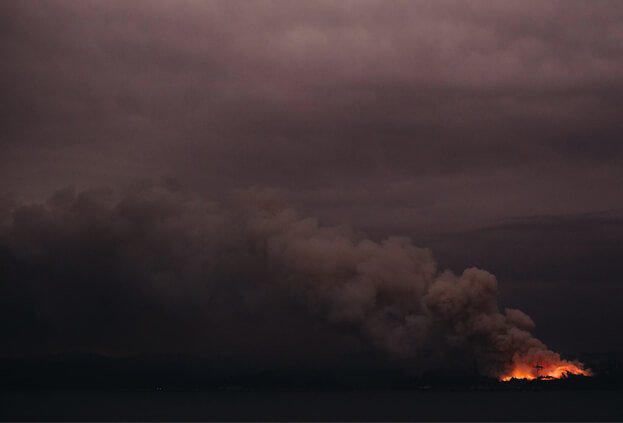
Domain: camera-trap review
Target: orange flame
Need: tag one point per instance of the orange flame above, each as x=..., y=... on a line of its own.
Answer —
x=554, y=370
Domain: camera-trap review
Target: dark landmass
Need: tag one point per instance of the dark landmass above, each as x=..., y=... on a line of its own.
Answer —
x=187, y=373
x=70, y=387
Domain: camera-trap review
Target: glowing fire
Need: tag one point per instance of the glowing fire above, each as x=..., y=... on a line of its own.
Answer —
x=553, y=370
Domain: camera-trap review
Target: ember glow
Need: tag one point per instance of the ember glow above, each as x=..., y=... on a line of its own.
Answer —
x=545, y=370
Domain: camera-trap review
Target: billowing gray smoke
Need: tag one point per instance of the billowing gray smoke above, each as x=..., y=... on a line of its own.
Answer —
x=162, y=269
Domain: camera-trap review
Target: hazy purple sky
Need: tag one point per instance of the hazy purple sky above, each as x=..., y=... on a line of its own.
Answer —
x=489, y=131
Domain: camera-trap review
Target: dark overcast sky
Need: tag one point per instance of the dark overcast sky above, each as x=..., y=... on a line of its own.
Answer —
x=489, y=131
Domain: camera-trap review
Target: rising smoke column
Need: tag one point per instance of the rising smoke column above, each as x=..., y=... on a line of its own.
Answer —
x=93, y=270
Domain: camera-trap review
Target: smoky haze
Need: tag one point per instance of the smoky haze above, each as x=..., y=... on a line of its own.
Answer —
x=486, y=132
x=160, y=270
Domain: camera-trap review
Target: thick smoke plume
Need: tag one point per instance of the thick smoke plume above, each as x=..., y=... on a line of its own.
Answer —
x=159, y=269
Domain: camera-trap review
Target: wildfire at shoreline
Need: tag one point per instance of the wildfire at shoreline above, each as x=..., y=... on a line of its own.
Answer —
x=556, y=370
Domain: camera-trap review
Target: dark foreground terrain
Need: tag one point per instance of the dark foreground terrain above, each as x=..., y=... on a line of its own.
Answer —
x=79, y=387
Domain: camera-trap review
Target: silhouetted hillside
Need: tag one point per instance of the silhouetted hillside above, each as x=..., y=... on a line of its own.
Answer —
x=176, y=372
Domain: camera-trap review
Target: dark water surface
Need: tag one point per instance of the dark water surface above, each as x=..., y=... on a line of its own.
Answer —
x=315, y=406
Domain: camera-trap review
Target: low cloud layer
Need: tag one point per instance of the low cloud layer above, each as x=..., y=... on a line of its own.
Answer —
x=312, y=96
x=452, y=122
x=160, y=269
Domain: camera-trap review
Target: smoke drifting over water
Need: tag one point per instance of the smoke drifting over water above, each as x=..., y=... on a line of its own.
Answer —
x=160, y=269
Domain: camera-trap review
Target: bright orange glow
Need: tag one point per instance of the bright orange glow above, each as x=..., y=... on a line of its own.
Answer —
x=553, y=370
